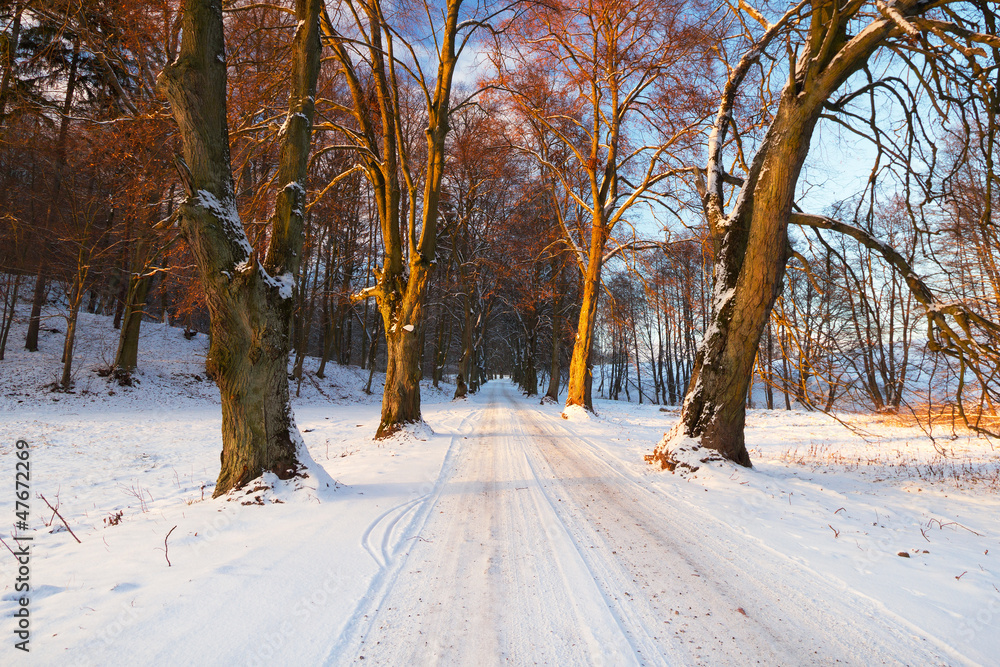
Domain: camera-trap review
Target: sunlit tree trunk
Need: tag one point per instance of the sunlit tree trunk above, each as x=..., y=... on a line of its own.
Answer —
x=579, y=378
x=750, y=242
x=402, y=280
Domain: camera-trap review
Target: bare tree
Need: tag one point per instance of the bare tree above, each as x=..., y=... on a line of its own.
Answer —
x=250, y=301
x=598, y=79
x=827, y=42
x=384, y=81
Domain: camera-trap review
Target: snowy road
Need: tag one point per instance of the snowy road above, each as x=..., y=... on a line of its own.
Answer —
x=500, y=535
x=534, y=548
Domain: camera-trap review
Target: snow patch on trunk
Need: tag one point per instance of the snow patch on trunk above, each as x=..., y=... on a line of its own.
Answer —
x=683, y=455
x=410, y=433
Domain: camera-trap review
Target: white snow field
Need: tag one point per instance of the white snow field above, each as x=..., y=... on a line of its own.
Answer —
x=499, y=533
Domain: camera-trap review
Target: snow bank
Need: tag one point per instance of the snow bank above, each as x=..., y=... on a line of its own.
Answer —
x=132, y=470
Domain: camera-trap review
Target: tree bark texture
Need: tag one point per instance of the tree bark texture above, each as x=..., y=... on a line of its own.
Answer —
x=401, y=398
x=580, y=379
x=750, y=243
x=250, y=304
x=401, y=288
x=748, y=274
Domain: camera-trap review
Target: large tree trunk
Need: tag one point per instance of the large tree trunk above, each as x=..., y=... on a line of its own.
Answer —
x=404, y=352
x=401, y=294
x=137, y=289
x=401, y=398
x=579, y=375
x=250, y=304
x=127, y=357
x=401, y=394
x=751, y=243
x=748, y=274
x=248, y=357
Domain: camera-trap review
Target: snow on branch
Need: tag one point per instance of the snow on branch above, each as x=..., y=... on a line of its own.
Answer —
x=633, y=246
x=752, y=11
x=366, y=293
x=717, y=137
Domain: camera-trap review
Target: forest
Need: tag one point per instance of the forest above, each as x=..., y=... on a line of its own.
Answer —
x=370, y=332
x=594, y=198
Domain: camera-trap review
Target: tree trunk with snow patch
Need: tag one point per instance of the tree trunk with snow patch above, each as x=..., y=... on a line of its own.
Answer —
x=250, y=308
x=750, y=242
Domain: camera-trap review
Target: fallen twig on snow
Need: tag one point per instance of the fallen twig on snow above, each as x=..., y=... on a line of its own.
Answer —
x=952, y=523
x=56, y=512
x=165, y=547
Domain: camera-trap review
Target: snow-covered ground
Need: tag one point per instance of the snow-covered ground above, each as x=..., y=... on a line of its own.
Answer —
x=502, y=533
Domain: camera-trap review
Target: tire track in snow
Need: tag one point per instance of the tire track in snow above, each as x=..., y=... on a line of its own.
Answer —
x=378, y=537
x=376, y=540
x=697, y=576
x=641, y=637
x=493, y=576
x=536, y=548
